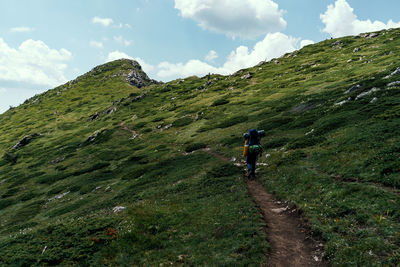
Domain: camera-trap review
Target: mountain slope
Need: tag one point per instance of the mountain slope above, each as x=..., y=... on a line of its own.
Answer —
x=111, y=138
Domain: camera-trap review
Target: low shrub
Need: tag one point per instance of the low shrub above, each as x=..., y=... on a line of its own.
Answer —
x=195, y=146
x=232, y=121
x=182, y=122
x=273, y=123
x=220, y=102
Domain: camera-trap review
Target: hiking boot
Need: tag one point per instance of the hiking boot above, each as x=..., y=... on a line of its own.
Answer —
x=251, y=176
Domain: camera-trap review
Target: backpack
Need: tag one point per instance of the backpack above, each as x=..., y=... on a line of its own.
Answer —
x=254, y=142
x=255, y=149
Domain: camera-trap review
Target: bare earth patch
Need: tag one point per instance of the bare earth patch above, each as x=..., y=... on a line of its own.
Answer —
x=289, y=241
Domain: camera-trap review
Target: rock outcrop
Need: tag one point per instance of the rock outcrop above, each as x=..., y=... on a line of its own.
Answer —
x=26, y=140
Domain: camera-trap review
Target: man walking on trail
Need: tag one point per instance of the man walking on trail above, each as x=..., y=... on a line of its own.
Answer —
x=252, y=150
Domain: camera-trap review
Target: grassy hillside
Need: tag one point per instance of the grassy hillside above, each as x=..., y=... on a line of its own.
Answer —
x=332, y=116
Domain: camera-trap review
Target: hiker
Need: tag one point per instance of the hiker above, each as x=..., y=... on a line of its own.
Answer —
x=252, y=149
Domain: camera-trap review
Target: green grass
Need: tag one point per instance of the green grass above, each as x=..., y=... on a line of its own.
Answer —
x=339, y=164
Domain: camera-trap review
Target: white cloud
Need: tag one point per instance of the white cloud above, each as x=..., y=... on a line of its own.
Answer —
x=121, y=40
x=192, y=67
x=273, y=45
x=103, y=21
x=21, y=29
x=33, y=62
x=211, y=56
x=96, y=44
x=121, y=55
x=117, y=55
x=3, y=90
x=340, y=20
x=243, y=18
x=306, y=42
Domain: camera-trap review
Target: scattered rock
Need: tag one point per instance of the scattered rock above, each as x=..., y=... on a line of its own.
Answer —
x=374, y=89
x=166, y=127
x=312, y=130
x=357, y=49
x=118, y=209
x=134, y=98
x=26, y=140
x=396, y=72
x=343, y=102
x=373, y=100
x=95, y=116
x=231, y=88
x=276, y=61
x=353, y=88
x=60, y=196
x=199, y=116
x=393, y=84
x=316, y=258
x=57, y=160
x=92, y=138
x=247, y=76
x=337, y=43
x=371, y=35
x=279, y=210
x=111, y=110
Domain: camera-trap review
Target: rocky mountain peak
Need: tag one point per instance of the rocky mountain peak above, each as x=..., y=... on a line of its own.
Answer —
x=129, y=69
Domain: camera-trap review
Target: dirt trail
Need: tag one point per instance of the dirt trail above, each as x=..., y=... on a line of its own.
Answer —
x=133, y=132
x=291, y=244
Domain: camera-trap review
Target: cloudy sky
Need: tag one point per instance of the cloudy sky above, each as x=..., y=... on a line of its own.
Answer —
x=44, y=43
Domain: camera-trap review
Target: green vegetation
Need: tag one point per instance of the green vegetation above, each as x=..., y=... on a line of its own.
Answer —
x=105, y=143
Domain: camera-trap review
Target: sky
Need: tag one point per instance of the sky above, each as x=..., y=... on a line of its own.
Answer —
x=45, y=43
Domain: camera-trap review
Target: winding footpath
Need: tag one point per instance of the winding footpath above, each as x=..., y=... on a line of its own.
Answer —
x=290, y=241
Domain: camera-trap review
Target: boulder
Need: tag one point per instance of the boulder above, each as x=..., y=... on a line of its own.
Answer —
x=247, y=76
x=26, y=140
x=357, y=49
x=374, y=89
x=396, y=72
x=91, y=138
x=393, y=84
x=118, y=209
x=95, y=116
x=371, y=35
x=353, y=88
x=337, y=43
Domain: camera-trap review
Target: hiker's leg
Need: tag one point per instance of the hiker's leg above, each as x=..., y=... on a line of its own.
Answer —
x=249, y=165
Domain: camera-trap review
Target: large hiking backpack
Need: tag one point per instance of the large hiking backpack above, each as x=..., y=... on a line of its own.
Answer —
x=254, y=142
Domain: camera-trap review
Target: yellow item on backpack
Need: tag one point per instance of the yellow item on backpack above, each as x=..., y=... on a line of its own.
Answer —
x=246, y=149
